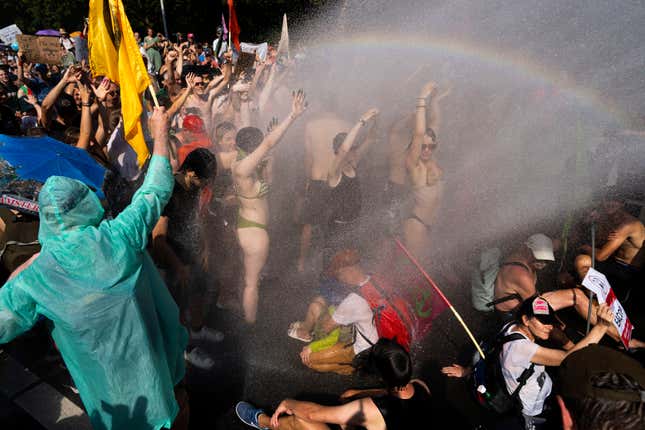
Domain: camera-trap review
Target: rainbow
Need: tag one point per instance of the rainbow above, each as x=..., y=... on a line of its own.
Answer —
x=513, y=62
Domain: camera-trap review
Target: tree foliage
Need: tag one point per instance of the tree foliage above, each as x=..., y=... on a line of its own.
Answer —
x=259, y=19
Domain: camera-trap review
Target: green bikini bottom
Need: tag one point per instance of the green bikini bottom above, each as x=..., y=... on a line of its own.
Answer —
x=245, y=223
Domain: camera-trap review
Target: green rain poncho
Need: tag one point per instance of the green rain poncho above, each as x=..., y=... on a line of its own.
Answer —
x=113, y=320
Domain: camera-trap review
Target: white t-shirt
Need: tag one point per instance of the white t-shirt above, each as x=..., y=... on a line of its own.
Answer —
x=354, y=309
x=515, y=357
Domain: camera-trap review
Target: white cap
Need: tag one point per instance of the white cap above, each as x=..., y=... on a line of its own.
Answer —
x=542, y=247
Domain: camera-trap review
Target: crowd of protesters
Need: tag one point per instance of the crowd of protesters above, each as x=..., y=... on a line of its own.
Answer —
x=209, y=239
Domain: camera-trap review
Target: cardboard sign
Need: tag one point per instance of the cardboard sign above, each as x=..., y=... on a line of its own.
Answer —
x=8, y=34
x=40, y=49
x=245, y=64
x=598, y=283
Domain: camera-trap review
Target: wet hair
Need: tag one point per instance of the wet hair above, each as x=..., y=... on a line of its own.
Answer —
x=338, y=141
x=392, y=362
x=202, y=162
x=71, y=135
x=223, y=128
x=589, y=412
x=248, y=138
x=430, y=132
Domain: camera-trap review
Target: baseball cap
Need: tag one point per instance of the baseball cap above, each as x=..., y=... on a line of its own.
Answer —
x=542, y=247
x=578, y=372
x=344, y=258
x=539, y=308
x=190, y=35
x=193, y=123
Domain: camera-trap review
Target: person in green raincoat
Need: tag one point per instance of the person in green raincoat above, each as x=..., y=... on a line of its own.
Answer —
x=112, y=317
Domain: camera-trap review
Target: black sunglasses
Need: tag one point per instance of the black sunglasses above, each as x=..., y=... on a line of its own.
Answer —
x=428, y=146
x=200, y=84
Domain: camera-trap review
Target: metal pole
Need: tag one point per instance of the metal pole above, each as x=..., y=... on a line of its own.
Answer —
x=163, y=17
x=593, y=264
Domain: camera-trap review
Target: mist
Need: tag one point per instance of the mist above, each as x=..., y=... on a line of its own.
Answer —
x=537, y=88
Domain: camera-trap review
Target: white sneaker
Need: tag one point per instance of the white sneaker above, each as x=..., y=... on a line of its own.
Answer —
x=207, y=334
x=199, y=358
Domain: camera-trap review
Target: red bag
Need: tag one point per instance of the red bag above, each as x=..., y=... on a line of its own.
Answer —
x=392, y=316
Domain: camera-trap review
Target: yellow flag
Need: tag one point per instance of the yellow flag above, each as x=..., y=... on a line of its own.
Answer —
x=114, y=54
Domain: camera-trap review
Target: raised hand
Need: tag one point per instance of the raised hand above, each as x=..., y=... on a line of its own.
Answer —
x=370, y=115
x=273, y=124
x=31, y=99
x=159, y=123
x=101, y=91
x=190, y=81
x=86, y=93
x=427, y=89
x=605, y=315
x=299, y=104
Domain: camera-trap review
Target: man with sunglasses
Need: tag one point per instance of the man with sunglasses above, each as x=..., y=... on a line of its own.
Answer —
x=426, y=177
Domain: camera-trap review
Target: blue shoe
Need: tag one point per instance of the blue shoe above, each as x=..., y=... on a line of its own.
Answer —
x=249, y=414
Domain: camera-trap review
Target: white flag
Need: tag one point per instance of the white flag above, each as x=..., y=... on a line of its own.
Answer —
x=283, y=46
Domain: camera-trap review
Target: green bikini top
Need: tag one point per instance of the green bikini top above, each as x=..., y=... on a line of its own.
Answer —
x=264, y=186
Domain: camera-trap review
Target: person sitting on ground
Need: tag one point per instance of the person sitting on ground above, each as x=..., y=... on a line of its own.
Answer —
x=403, y=404
x=353, y=310
x=599, y=387
x=179, y=246
x=534, y=320
x=251, y=190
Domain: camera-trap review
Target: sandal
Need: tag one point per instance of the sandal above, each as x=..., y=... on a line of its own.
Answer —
x=293, y=332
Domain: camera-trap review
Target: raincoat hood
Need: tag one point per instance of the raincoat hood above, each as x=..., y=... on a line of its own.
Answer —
x=65, y=205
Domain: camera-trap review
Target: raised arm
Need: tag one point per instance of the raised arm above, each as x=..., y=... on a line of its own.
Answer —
x=414, y=151
x=179, y=101
x=346, y=146
x=138, y=219
x=435, y=112
x=370, y=138
x=553, y=357
x=71, y=75
x=615, y=239
x=86, y=118
x=246, y=166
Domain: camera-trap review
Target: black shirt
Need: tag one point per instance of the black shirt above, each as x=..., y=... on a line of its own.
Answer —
x=405, y=414
x=183, y=228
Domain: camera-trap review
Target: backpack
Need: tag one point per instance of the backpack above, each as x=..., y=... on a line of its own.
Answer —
x=482, y=281
x=487, y=379
x=392, y=316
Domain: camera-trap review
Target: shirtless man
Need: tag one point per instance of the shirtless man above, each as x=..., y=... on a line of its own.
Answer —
x=426, y=177
x=621, y=258
x=319, y=154
x=517, y=279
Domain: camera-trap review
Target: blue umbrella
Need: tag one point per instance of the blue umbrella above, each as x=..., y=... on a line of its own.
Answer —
x=38, y=158
x=48, y=32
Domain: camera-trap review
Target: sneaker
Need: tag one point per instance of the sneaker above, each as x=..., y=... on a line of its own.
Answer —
x=207, y=334
x=199, y=358
x=249, y=414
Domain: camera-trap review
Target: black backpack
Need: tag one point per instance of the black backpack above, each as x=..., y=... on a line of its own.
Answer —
x=488, y=381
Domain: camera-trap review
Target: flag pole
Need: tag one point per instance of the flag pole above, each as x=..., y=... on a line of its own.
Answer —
x=593, y=264
x=443, y=297
x=153, y=94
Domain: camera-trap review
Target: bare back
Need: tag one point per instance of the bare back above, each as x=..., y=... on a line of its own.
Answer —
x=631, y=250
x=319, y=135
x=514, y=279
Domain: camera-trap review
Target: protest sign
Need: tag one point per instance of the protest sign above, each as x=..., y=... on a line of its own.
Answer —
x=40, y=49
x=8, y=34
x=245, y=64
x=256, y=48
x=598, y=283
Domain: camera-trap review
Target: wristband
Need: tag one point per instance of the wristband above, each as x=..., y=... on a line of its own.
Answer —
x=86, y=104
x=362, y=121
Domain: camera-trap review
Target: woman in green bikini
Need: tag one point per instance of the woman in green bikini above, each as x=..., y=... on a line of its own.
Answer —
x=251, y=190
